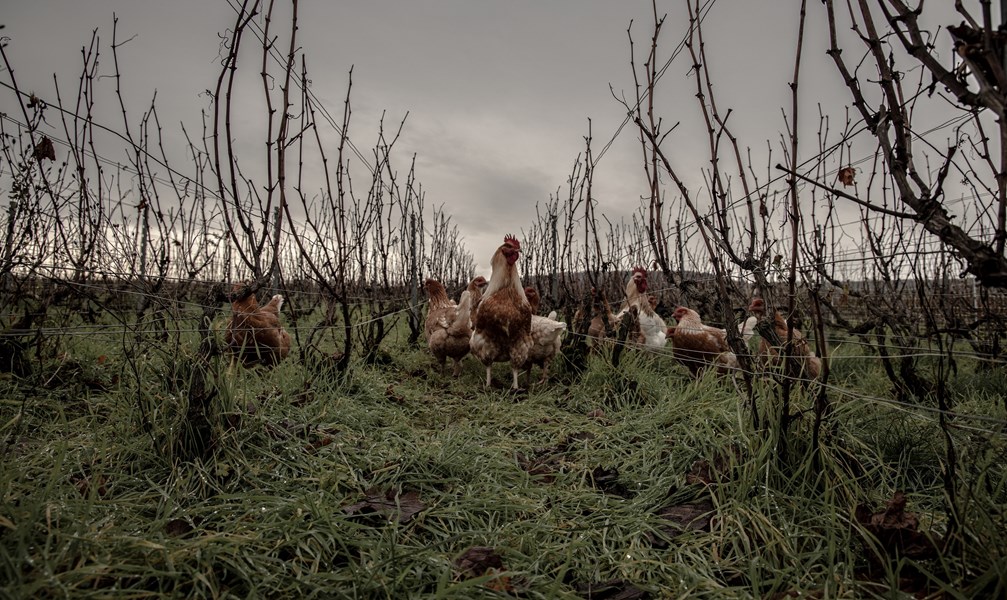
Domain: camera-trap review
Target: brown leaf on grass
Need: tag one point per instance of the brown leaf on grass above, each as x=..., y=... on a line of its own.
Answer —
x=177, y=527
x=579, y=436
x=699, y=473
x=313, y=447
x=545, y=465
x=478, y=561
x=547, y=462
x=391, y=396
x=846, y=175
x=689, y=516
x=613, y=589
x=812, y=594
x=84, y=485
x=607, y=480
x=388, y=503
x=304, y=396
x=897, y=530
x=692, y=516
x=703, y=473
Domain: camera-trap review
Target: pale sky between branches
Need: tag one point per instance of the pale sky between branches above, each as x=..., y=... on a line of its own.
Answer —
x=499, y=94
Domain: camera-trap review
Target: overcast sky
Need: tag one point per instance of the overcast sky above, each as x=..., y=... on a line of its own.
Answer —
x=498, y=93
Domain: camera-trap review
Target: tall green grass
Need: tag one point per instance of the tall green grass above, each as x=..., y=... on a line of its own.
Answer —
x=567, y=482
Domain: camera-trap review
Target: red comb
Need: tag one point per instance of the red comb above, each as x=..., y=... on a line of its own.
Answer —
x=512, y=241
x=640, y=270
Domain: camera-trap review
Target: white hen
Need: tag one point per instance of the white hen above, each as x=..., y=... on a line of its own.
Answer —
x=653, y=332
x=546, y=335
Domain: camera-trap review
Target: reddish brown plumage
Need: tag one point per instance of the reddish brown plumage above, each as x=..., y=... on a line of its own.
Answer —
x=447, y=326
x=807, y=365
x=502, y=323
x=698, y=346
x=254, y=334
x=533, y=299
x=601, y=313
x=475, y=290
x=440, y=306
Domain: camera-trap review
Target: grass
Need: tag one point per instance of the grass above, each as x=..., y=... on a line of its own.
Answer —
x=375, y=484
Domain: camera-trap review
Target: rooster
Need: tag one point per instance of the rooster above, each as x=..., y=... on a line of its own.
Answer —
x=698, y=346
x=254, y=334
x=502, y=323
x=774, y=337
x=546, y=335
x=652, y=332
x=448, y=326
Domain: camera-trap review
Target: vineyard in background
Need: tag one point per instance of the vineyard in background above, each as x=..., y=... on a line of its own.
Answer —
x=872, y=237
x=347, y=231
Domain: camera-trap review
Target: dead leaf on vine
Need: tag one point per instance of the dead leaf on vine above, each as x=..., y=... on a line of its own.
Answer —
x=45, y=149
x=846, y=175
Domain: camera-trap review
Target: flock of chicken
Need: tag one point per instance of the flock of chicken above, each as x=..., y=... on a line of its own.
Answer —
x=496, y=321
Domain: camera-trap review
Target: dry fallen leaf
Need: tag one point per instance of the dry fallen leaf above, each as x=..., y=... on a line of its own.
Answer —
x=177, y=527
x=613, y=589
x=483, y=560
x=389, y=504
x=690, y=516
x=607, y=480
x=896, y=529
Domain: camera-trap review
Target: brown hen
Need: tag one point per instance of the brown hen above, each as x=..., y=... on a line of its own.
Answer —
x=448, y=326
x=699, y=346
x=806, y=366
x=254, y=335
